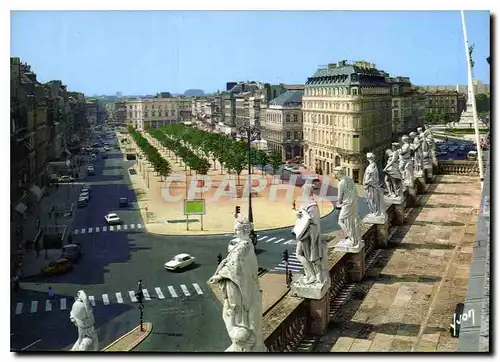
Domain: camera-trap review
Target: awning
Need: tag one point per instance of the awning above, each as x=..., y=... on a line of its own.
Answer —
x=37, y=192
x=21, y=208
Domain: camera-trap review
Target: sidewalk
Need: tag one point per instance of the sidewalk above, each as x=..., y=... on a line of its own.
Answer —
x=65, y=193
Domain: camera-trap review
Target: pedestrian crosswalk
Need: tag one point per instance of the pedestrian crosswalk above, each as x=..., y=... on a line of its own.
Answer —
x=294, y=265
x=61, y=304
x=108, y=228
x=272, y=239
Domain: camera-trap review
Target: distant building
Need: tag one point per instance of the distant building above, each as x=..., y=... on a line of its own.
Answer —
x=479, y=87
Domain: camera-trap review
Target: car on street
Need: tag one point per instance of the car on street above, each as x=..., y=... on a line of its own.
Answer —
x=123, y=202
x=179, y=261
x=82, y=202
x=91, y=170
x=112, y=219
x=66, y=179
x=106, y=148
x=59, y=266
x=72, y=252
x=85, y=195
x=86, y=188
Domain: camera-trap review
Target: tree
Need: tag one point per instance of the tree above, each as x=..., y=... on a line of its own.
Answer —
x=165, y=169
x=262, y=160
x=237, y=158
x=482, y=103
x=275, y=160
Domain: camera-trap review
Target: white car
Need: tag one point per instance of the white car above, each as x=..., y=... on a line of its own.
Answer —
x=66, y=179
x=112, y=219
x=179, y=261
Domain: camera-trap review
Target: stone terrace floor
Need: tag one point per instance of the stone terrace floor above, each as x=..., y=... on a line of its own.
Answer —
x=407, y=298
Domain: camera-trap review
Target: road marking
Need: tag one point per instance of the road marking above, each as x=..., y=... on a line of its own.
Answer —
x=271, y=239
x=105, y=299
x=63, y=303
x=279, y=240
x=111, y=228
x=19, y=308
x=291, y=241
x=159, y=293
x=119, y=298
x=131, y=293
x=262, y=238
x=197, y=288
x=146, y=294
x=97, y=229
x=291, y=268
x=29, y=345
x=132, y=226
x=90, y=230
x=185, y=290
x=170, y=289
x=125, y=227
x=139, y=226
x=92, y=300
x=48, y=306
x=82, y=231
x=104, y=228
x=118, y=227
x=34, y=306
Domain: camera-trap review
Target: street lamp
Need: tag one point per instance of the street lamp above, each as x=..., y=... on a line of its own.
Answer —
x=251, y=133
x=140, y=299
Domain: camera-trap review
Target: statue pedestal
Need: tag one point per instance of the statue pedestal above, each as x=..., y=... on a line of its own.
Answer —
x=372, y=219
x=309, y=291
x=429, y=173
x=399, y=208
x=420, y=184
x=320, y=315
x=355, y=260
x=411, y=196
x=382, y=235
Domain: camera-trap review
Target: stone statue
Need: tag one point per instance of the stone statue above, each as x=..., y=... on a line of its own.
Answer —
x=374, y=193
x=83, y=317
x=405, y=164
x=237, y=276
x=428, y=147
x=393, y=177
x=311, y=249
x=416, y=147
x=348, y=216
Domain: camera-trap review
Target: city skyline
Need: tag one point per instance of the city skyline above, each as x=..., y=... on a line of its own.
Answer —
x=92, y=51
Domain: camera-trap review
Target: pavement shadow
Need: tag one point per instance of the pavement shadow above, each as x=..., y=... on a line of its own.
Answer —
x=102, y=178
x=193, y=266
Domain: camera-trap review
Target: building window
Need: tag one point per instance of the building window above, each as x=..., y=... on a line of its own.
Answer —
x=146, y=114
x=295, y=117
x=354, y=91
x=288, y=118
x=288, y=135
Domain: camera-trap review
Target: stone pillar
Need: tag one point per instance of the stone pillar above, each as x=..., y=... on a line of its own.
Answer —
x=382, y=235
x=411, y=196
x=429, y=174
x=399, y=214
x=420, y=184
x=320, y=314
x=356, y=265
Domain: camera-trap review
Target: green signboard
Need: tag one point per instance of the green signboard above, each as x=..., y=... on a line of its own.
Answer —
x=194, y=207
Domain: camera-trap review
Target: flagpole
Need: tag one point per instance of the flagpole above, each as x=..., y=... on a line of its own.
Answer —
x=473, y=101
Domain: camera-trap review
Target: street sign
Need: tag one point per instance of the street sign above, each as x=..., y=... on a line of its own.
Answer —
x=194, y=207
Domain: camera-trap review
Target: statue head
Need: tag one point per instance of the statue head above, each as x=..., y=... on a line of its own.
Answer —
x=339, y=172
x=413, y=135
x=307, y=191
x=388, y=152
x=370, y=157
x=405, y=139
x=395, y=146
x=242, y=227
x=81, y=312
x=420, y=130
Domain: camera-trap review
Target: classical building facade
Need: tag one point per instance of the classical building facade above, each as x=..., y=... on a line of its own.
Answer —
x=282, y=128
x=445, y=102
x=347, y=112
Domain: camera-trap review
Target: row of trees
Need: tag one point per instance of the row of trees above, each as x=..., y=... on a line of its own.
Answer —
x=231, y=154
x=161, y=166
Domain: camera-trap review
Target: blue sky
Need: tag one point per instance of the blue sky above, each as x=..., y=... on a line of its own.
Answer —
x=144, y=52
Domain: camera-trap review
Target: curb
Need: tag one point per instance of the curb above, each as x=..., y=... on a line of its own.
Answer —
x=133, y=344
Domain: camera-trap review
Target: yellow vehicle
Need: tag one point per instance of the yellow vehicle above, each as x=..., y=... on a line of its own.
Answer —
x=60, y=266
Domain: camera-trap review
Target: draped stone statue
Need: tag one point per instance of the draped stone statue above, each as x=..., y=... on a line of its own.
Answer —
x=311, y=249
x=405, y=162
x=348, y=216
x=83, y=317
x=237, y=276
x=428, y=147
x=393, y=177
x=374, y=194
x=416, y=147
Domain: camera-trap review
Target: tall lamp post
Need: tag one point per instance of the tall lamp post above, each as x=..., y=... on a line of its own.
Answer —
x=140, y=299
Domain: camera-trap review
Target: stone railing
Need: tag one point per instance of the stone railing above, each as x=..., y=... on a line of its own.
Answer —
x=455, y=167
x=293, y=319
x=474, y=332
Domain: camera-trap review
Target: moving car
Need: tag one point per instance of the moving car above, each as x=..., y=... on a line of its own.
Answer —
x=66, y=179
x=123, y=202
x=72, y=252
x=112, y=219
x=85, y=195
x=179, y=261
x=58, y=267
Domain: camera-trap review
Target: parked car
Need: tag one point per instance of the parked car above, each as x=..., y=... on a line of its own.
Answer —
x=85, y=195
x=57, y=267
x=123, y=202
x=86, y=188
x=91, y=170
x=72, y=252
x=82, y=202
x=112, y=219
x=66, y=179
x=180, y=261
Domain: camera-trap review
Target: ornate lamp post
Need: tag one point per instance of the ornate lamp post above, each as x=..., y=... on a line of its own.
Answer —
x=140, y=299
